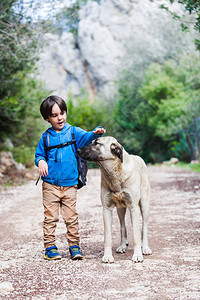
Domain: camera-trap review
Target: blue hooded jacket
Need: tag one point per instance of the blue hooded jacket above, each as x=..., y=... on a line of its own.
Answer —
x=64, y=172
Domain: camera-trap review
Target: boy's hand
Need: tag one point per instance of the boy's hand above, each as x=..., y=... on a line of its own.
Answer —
x=43, y=168
x=99, y=130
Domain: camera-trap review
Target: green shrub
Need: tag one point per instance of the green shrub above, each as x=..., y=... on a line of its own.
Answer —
x=86, y=114
x=24, y=155
x=151, y=112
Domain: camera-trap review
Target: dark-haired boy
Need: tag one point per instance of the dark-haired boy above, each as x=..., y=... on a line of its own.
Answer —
x=60, y=175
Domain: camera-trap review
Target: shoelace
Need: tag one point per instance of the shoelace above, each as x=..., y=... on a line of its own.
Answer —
x=75, y=249
x=53, y=250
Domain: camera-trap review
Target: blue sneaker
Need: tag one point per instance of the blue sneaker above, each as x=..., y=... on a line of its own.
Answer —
x=52, y=253
x=75, y=252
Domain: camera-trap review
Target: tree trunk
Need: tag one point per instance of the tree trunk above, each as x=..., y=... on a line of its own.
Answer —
x=192, y=151
x=196, y=138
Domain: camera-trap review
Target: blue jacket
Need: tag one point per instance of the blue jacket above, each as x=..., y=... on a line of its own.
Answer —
x=64, y=172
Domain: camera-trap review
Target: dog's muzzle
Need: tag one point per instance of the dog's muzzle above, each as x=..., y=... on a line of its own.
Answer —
x=87, y=153
x=83, y=153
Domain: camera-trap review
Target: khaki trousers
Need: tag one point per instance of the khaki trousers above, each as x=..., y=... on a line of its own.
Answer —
x=55, y=197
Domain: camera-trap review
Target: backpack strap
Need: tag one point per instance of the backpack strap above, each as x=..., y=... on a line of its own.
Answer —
x=47, y=146
x=73, y=139
x=78, y=161
x=58, y=147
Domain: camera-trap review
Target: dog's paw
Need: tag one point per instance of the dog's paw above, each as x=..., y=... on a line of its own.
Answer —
x=108, y=259
x=121, y=249
x=137, y=258
x=147, y=251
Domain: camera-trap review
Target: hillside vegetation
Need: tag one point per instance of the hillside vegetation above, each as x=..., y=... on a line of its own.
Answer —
x=155, y=112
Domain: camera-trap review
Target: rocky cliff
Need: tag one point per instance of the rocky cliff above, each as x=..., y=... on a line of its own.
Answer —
x=112, y=35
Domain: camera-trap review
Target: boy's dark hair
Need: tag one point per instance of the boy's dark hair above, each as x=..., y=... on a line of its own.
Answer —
x=48, y=103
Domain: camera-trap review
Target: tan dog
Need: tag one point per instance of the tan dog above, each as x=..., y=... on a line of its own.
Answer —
x=124, y=184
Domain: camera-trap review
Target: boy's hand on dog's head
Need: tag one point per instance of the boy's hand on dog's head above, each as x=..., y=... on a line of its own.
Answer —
x=43, y=168
x=100, y=130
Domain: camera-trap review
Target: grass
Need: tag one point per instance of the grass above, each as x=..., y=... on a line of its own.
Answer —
x=183, y=165
x=193, y=167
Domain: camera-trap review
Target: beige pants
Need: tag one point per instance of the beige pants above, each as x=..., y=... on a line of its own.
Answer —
x=55, y=197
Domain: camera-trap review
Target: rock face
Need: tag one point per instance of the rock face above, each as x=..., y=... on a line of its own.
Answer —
x=7, y=162
x=109, y=32
x=12, y=172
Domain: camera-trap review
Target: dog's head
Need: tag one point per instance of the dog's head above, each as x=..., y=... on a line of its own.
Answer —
x=103, y=148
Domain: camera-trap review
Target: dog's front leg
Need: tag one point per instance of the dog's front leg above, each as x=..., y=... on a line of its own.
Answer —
x=107, y=218
x=135, y=220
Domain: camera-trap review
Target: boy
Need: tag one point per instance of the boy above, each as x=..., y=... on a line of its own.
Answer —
x=58, y=168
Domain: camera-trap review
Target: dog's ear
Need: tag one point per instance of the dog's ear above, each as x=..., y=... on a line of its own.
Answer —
x=117, y=150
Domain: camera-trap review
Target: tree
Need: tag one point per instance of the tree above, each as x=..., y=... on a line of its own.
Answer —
x=155, y=116
x=21, y=39
x=131, y=128
x=172, y=92
x=192, y=7
x=85, y=114
x=18, y=44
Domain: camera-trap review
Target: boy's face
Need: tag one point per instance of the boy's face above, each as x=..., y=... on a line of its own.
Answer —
x=58, y=118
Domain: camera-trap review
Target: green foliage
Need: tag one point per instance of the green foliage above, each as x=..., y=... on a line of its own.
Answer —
x=150, y=116
x=24, y=155
x=20, y=118
x=180, y=148
x=20, y=92
x=85, y=114
x=130, y=116
x=192, y=7
x=88, y=115
x=19, y=115
x=18, y=44
x=172, y=91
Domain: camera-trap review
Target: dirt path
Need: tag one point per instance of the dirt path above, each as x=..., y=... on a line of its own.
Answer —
x=171, y=272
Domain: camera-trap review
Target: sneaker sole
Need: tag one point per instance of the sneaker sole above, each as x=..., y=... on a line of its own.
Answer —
x=53, y=258
x=76, y=257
